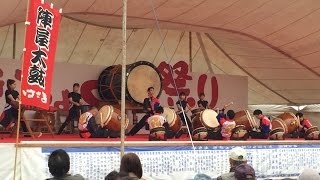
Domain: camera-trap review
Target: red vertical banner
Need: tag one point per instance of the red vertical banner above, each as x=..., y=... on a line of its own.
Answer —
x=42, y=29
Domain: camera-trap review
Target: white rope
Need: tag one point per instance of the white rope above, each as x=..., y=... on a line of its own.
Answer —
x=171, y=72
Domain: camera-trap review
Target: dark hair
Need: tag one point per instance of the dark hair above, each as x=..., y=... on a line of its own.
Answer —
x=159, y=109
x=182, y=94
x=257, y=112
x=128, y=178
x=201, y=94
x=230, y=114
x=114, y=175
x=131, y=163
x=149, y=88
x=76, y=85
x=9, y=83
x=59, y=163
x=299, y=114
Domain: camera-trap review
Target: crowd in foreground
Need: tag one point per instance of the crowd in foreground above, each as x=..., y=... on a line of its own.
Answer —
x=131, y=168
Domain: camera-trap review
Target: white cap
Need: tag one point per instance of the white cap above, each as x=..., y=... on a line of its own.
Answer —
x=238, y=154
x=309, y=174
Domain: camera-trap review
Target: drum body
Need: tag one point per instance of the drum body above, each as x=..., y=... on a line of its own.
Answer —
x=279, y=123
x=158, y=134
x=244, y=118
x=139, y=77
x=312, y=133
x=110, y=118
x=172, y=118
x=195, y=112
x=290, y=120
x=239, y=133
x=206, y=119
x=277, y=134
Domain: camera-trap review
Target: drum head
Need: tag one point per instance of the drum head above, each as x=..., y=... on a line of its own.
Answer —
x=209, y=118
x=140, y=77
x=154, y=122
x=170, y=115
x=104, y=115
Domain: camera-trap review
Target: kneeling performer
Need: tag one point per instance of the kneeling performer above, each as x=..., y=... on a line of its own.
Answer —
x=88, y=128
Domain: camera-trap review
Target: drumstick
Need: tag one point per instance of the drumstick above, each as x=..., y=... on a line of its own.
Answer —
x=229, y=104
x=101, y=119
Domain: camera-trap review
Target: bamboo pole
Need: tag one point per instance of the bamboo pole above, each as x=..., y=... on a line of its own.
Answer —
x=123, y=81
x=19, y=109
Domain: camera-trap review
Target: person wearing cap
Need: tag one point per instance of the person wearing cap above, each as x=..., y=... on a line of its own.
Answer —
x=237, y=156
x=244, y=172
x=309, y=174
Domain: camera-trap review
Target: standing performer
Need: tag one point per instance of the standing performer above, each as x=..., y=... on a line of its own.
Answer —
x=149, y=105
x=202, y=104
x=304, y=125
x=183, y=105
x=75, y=101
x=265, y=126
x=88, y=128
x=10, y=114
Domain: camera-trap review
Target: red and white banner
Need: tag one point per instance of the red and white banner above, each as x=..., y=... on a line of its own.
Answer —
x=39, y=54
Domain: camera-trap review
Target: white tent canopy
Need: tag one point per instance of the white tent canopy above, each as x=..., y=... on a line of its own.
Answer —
x=273, y=42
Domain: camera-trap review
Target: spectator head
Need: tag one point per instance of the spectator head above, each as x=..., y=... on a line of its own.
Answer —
x=258, y=113
x=76, y=87
x=300, y=116
x=230, y=114
x=150, y=91
x=237, y=156
x=94, y=111
x=11, y=84
x=244, y=172
x=202, y=96
x=182, y=96
x=309, y=174
x=59, y=163
x=202, y=177
x=114, y=175
x=130, y=163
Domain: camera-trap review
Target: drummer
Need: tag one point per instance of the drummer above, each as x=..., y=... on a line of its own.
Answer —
x=183, y=105
x=75, y=101
x=149, y=104
x=202, y=104
x=227, y=125
x=304, y=125
x=265, y=126
x=88, y=127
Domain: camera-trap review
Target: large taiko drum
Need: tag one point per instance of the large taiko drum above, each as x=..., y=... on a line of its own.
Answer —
x=139, y=77
x=244, y=118
x=110, y=118
x=291, y=121
x=157, y=131
x=172, y=119
x=312, y=133
x=206, y=119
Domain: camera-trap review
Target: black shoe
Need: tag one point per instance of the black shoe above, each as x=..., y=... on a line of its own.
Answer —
x=179, y=133
x=27, y=135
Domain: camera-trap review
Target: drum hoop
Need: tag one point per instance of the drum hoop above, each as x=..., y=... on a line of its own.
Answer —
x=128, y=71
x=204, y=123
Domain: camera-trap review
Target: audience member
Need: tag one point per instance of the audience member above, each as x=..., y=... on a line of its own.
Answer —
x=130, y=163
x=237, y=156
x=59, y=166
x=202, y=177
x=309, y=174
x=244, y=172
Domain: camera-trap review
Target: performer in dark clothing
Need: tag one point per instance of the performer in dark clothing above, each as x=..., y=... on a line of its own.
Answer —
x=88, y=128
x=183, y=105
x=10, y=114
x=149, y=105
x=202, y=104
x=75, y=102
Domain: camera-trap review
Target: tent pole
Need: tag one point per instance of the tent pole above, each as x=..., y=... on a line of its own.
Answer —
x=123, y=81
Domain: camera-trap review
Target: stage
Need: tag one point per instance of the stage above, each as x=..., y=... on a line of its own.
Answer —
x=173, y=159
